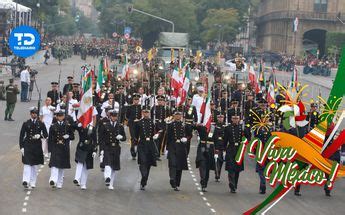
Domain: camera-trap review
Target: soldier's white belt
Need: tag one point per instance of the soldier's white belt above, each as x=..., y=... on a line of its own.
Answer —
x=207, y=142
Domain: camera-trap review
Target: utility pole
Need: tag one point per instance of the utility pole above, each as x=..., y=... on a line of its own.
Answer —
x=130, y=9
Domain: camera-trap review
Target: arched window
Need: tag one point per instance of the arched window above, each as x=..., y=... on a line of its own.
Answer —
x=320, y=6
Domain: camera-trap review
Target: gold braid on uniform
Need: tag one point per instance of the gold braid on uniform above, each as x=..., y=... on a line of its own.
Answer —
x=260, y=122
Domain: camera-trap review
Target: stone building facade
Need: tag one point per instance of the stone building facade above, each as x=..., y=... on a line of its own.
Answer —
x=275, y=20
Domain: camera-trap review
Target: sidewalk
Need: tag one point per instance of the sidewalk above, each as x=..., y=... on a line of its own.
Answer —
x=34, y=62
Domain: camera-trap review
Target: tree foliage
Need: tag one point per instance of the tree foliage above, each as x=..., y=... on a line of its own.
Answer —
x=221, y=23
x=197, y=17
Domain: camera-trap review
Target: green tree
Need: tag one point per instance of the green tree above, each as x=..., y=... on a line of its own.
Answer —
x=220, y=23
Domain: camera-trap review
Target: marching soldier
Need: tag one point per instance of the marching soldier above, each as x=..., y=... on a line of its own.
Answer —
x=111, y=134
x=313, y=116
x=214, y=112
x=60, y=135
x=147, y=150
x=205, y=154
x=263, y=134
x=249, y=105
x=76, y=93
x=69, y=86
x=233, y=109
x=218, y=138
x=224, y=103
x=85, y=153
x=177, y=150
x=232, y=141
x=121, y=99
x=191, y=118
x=133, y=115
x=160, y=112
x=54, y=94
x=30, y=144
x=102, y=122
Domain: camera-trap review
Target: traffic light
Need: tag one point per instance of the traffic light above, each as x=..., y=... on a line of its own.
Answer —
x=130, y=8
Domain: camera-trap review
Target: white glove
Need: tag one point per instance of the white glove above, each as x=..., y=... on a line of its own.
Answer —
x=58, y=101
x=102, y=152
x=94, y=154
x=215, y=156
x=52, y=108
x=155, y=137
x=66, y=136
x=22, y=151
x=183, y=140
x=37, y=136
x=119, y=137
x=79, y=124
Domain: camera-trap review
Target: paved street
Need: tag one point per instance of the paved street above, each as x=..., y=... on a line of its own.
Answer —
x=126, y=198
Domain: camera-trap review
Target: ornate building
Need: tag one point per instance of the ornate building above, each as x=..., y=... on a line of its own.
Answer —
x=275, y=22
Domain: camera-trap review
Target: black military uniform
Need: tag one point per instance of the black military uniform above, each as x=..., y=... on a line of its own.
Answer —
x=58, y=146
x=313, y=117
x=191, y=117
x=218, y=138
x=234, y=110
x=205, y=155
x=87, y=144
x=102, y=122
x=33, y=154
x=177, y=152
x=232, y=141
x=111, y=146
x=68, y=87
x=249, y=106
x=76, y=93
x=55, y=95
x=133, y=115
x=160, y=112
x=147, y=150
x=30, y=144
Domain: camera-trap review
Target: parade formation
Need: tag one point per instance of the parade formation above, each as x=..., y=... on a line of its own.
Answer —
x=168, y=107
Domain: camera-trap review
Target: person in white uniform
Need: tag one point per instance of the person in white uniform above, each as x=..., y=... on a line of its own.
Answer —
x=46, y=116
x=198, y=100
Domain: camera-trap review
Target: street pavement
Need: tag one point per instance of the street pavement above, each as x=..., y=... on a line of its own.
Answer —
x=126, y=198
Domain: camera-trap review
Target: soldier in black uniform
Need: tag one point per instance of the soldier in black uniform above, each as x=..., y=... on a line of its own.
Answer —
x=111, y=134
x=218, y=139
x=133, y=115
x=205, y=154
x=191, y=118
x=232, y=141
x=60, y=135
x=263, y=134
x=30, y=144
x=103, y=121
x=177, y=150
x=69, y=86
x=121, y=99
x=249, y=106
x=147, y=150
x=76, y=93
x=85, y=153
x=54, y=94
x=214, y=112
x=312, y=117
x=234, y=109
x=224, y=103
x=160, y=112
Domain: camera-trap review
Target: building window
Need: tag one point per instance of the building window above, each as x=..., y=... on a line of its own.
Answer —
x=320, y=6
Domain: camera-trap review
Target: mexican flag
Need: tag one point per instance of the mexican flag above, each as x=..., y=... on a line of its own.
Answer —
x=294, y=79
x=271, y=93
x=86, y=105
x=253, y=80
x=185, y=87
x=207, y=116
x=177, y=79
x=106, y=73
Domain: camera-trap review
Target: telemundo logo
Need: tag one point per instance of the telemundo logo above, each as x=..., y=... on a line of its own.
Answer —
x=24, y=41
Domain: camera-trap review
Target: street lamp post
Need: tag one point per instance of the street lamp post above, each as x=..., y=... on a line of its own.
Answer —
x=131, y=9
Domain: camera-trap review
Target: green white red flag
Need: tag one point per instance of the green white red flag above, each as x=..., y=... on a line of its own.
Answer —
x=86, y=104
